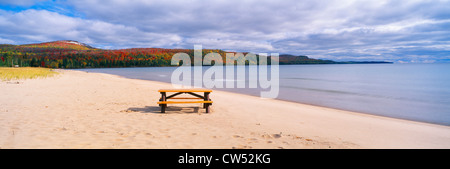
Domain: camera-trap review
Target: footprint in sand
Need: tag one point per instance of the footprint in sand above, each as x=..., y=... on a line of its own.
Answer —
x=276, y=135
x=253, y=139
x=267, y=136
x=242, y=147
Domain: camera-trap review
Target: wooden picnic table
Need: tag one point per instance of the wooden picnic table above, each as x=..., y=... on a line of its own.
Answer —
x=163, y=101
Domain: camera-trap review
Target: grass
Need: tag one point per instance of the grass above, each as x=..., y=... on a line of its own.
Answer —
x=8, y=73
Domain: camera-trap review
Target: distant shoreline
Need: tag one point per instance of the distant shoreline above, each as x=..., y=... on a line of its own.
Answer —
x=73, y=54
x=337, y=63
x=341, y=62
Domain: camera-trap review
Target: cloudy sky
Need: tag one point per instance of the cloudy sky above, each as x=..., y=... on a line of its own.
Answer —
x=399, y=31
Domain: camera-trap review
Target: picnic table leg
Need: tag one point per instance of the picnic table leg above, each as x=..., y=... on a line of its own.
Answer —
x=206, y=105
x=204, y=98
x=163, y=98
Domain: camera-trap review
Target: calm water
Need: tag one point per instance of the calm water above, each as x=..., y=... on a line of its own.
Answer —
x=419, y=92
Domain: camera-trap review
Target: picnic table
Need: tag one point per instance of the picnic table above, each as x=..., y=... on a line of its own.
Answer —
x=198, y=98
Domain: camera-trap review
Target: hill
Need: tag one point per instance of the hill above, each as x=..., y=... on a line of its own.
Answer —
x=73, y=54
x=63, y=44
x=286, y=59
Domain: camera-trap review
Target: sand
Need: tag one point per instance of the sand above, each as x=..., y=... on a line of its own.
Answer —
x=91, y=110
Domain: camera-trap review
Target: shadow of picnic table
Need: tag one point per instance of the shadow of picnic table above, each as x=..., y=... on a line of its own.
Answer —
x=169, y=110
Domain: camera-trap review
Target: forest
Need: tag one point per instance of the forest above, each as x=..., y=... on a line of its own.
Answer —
x=72, y=54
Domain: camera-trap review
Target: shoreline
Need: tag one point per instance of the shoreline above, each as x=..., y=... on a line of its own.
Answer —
x=360, y=113
x=416, y=103
x=310, y=104
x=109, y=111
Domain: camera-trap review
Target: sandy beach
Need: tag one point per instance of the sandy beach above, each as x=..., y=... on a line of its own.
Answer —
x=76, y=109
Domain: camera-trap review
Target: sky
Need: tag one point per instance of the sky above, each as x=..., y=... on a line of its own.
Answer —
x=402, y=31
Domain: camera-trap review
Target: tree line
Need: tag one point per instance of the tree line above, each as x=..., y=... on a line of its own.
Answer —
x=53, y=57
x=70, y=55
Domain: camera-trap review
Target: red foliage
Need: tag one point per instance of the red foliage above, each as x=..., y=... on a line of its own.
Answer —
x=68, y=54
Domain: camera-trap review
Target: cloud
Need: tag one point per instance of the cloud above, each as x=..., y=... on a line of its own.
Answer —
x=338, y=30
x=36, y=25
x=32, y=26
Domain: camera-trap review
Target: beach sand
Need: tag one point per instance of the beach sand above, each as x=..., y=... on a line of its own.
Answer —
x=91, y=110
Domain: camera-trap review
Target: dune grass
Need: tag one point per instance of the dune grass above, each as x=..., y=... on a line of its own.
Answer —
x=8, y=73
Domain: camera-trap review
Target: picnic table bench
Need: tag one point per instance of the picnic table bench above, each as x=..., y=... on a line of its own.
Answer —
x=163, y=101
